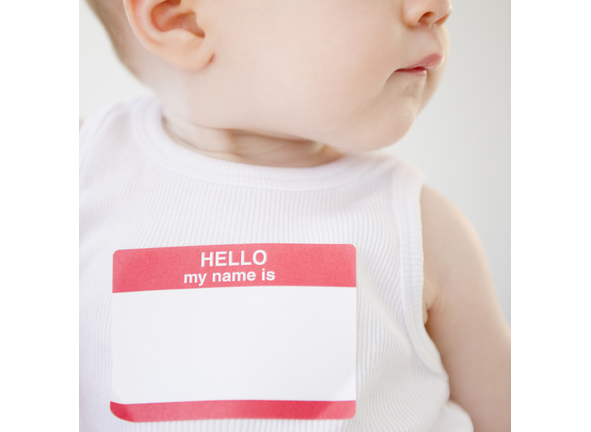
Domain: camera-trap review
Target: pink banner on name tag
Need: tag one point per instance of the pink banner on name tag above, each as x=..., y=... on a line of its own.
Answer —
x=205, y=410
x=262, y=264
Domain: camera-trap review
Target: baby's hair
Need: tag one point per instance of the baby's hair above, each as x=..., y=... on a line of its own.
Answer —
x=112, y=14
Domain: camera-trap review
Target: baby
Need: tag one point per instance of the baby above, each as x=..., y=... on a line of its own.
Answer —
x=249, y=260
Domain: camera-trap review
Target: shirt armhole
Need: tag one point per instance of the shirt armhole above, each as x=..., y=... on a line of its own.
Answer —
x=408, y=184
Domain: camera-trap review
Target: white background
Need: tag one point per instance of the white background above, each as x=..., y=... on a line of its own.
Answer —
x=461, y=140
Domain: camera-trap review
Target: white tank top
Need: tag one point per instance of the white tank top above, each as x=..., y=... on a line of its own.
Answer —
x=140, y=190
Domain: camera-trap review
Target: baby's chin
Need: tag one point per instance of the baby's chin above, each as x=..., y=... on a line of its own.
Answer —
x=365, y=146
x=378, y=137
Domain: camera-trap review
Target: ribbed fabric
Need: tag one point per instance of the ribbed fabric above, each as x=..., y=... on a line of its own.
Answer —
x=141, y=190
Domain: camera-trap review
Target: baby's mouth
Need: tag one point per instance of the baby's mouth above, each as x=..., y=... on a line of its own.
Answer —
x=415, y=70
x=426, y=64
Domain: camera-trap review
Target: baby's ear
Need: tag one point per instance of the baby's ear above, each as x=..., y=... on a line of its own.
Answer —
x=169, y=29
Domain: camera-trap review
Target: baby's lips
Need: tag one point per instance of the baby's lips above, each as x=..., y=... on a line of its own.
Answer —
x=429, y=62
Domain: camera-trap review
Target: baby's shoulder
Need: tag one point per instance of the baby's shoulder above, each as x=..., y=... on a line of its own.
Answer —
x=455, y=264
x=464, y=317
x=449, y=240
x=106, y=136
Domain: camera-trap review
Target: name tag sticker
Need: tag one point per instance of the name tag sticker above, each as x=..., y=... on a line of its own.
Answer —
x=255, y=331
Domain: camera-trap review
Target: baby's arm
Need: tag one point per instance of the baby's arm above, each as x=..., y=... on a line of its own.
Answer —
x=464, y=318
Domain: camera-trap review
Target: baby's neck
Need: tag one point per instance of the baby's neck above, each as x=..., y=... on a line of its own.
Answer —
x=248, y=147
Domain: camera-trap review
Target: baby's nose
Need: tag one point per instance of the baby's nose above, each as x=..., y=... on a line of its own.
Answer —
x=425, y=12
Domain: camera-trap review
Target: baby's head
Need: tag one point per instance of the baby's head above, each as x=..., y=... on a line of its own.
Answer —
x=352, y=74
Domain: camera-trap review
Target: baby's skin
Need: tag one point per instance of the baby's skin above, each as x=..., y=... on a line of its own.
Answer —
x=299, y=83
